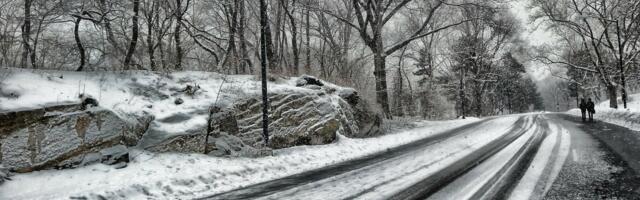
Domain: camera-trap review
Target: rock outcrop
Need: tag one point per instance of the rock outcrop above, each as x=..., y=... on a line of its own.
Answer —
x=61, y=136
x=369, y=122
x=312, y=114
x=306, y=117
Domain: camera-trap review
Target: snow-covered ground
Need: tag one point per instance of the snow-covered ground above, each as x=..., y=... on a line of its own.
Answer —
x=171, y=176
x=629, y=117
x=133, y=93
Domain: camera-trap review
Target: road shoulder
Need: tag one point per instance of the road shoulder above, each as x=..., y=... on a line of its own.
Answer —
x=599, y=163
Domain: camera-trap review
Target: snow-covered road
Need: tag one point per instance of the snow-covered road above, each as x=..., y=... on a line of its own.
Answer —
x=511, y=157
x=529, y=156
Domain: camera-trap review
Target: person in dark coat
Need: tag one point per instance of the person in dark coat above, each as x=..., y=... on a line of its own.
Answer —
x=591, y=107
x=583, y=109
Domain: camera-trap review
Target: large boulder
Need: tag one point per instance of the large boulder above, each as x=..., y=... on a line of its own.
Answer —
x=310, y=116
x=61, y=136
x=294, y=119
x=369, y=122
x=218, y=138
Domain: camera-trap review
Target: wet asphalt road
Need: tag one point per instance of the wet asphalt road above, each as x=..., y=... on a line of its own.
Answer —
x=603, y=163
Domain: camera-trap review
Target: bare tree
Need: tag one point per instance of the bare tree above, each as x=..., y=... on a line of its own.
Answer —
x=604, y=28
x=134, y=34
x=27, y=48
x=179, y=11
x=371, y=18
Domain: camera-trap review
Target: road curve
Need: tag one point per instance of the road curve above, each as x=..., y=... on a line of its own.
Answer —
x=509, y=157
x=266, y=189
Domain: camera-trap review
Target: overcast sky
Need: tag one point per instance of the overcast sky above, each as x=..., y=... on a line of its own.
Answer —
x=535, y=34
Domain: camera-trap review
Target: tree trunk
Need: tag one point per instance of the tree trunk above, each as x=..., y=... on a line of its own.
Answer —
x=268, y=42
x=229, y=60
x=245, y=65
x=461, y=97
x=33, y=51
x=478, y=99
x=623, y=83
x=380, y=75
x=177, y=37
x=26, y=34
x=81, y=50
x=134, y=36
x=294, y=36
x=109, y=31
x=308, y=36
x=150, y=43
x=613, y=96
x=399, y=95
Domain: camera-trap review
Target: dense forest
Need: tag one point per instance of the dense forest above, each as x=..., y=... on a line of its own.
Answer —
x=597, y=48
x=432, y=59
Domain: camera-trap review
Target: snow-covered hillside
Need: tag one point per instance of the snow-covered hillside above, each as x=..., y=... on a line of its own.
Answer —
x=132, y=93
x=629, y=117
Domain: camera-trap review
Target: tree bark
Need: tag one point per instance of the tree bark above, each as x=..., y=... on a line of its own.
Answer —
x=26, y=34
x=294, y=36
x=150, y=34
x=177, y=37
x=380, y=75
x=109, y=31
x=461, y=97
x=245, y=63
x=134, y=35
x=81, y=50
x=308, y=36
x=613, y=96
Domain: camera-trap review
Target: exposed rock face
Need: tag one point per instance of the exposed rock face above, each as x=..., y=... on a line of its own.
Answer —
x=192, y=141
x=294, y=119
x=369, y=122
x=60, y=136
x=64, y=136
x=298, y=117
x=310, y=116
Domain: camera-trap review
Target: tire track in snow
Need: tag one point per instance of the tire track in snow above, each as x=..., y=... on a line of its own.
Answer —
x=545, y=166
x=380, y=181
x=270, y=187
x=330, y=182
x=490, y=178
x=427, y=186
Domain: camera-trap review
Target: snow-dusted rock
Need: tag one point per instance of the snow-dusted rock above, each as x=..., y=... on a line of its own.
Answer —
x=304, y=111
x=298, y=118
x=60, y=136
x=369, y=122
x=307, y=80
x=5, y=174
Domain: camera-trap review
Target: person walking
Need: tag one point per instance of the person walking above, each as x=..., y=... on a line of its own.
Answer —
x=591, y=107
x=583, y=109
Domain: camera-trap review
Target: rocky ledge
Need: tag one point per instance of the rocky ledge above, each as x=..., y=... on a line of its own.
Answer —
x=64, y=136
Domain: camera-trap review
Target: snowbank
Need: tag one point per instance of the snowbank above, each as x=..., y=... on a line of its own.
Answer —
x=629, y=117
x=172, y=176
